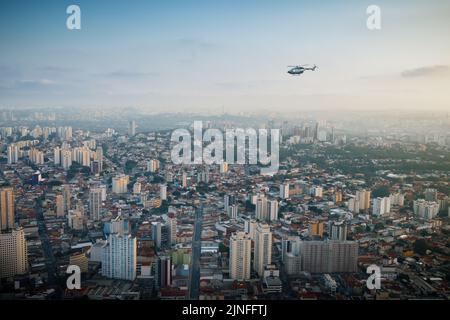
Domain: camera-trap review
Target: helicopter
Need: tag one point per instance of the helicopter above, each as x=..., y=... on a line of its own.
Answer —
x=298, y=70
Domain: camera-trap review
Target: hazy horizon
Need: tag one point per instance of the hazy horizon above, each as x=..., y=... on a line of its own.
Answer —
x=178, y=56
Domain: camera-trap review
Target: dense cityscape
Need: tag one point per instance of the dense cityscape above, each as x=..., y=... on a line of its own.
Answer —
x=99, y=191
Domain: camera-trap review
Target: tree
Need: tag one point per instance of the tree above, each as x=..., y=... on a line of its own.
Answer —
x=382, y=191
x=315, y=209
x=54, y=183
x=379, y=226
x=129, y=166
x=223, y=248
x=85, y=170
x=105, y=149
x=176, y=193
x=164, y=208
x=359, y=229
x=158, y=179
x=420, y=246
x=249, y=206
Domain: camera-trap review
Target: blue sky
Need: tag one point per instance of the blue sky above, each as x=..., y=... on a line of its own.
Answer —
x=195, y=55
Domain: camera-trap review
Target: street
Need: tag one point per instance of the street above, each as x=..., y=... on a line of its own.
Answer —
x=194, y=276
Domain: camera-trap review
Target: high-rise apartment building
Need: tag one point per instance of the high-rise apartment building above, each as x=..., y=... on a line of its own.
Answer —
x=397, y=199
x=317, y=192
x=13, y=154
x=119, y=257
x=250, y=228
x=163, y=192
x=184, y=181
x=36, y=156
x=172, y=225
x=132, y=128
x=284, y=190
x=272, y=210
x=228, y=200
x=353, y=205
x=153, y=165
x=157, y=234
x=6, y=209
x=66, y=159
x=290, y=255
x=338, y=197
x=99, y=158
x=381, y=206
x=329, y=256
x=266, y=210
x=425, y=209
x=59, y=200
x=82, y=155
x=118, y=225
x=64, y=133
x=316, y=228
x=120, y=184
x=240, y=256
x=75, y=219
x=137, y=188
x=224, y=167
x=13, y=253
x=261, y=208
x=233, y=211
x=263, y=248
x=57, y=156
x=363, y=197
x=163, y=272
x=339, y=231
x=67, y=197
x=430, y=194
x=203, y=176
x=95, y=203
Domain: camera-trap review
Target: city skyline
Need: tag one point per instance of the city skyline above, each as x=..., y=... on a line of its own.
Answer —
x=211, y=151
